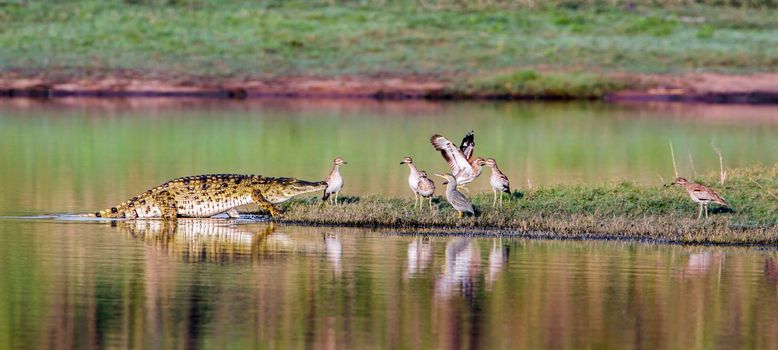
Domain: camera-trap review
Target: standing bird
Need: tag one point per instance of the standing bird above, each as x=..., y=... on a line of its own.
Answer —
x=456, y=198
x=700, y=194
x=498, y=180
x=413, y=179
x=460, y=160
x=334, y=180
x=425, y=187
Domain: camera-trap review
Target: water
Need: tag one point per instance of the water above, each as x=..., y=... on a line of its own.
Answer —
x=209, y=283
x=86, y=155
x=70, y=282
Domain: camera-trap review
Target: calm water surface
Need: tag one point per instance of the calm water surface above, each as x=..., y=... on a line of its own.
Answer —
x=228, y=284
x=210, y=283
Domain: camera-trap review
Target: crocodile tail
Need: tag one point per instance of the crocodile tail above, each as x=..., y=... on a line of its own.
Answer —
x=113, y=212
x=119, y=211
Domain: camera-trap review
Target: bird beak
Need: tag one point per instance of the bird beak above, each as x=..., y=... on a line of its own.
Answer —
x=401, y=163
x=345, y=162
x=443, y=176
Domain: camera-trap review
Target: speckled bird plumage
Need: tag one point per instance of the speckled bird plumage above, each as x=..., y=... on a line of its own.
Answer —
x=498, y=181
x=334, y=181
x=208, y=195
x=425, y=188
x=700, y=194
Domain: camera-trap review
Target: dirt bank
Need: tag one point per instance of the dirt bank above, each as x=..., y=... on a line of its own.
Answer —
x=702, y=87
x=699, y=87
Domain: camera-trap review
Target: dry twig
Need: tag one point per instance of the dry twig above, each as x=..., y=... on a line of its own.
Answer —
x=672, y=153
x=722, y=172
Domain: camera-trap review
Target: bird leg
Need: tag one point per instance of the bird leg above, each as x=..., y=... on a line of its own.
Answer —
x=430, y=203
x=501, y=193
x=706, y=211
x=415, y=200
x=494, y=202
x=700, y=214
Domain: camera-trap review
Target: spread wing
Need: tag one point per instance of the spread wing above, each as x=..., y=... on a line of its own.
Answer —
x=468, y=145
x=453, y=155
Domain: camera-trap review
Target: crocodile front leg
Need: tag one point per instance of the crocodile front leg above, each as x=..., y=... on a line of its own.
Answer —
x=263, y=203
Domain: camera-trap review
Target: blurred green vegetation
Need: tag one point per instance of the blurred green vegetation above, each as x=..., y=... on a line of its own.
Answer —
x=462, y=41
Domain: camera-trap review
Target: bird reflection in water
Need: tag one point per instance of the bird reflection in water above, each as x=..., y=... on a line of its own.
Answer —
x=498, y=258
x=419, y=256
x=463, y=264
x=700, y=263
x=771, y=270
x=333, y=249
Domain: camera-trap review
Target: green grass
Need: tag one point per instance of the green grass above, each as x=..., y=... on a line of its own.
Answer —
x=465, y=43
x=622, y=210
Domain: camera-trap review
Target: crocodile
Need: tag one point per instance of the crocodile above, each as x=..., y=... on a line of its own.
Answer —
x=208, y=195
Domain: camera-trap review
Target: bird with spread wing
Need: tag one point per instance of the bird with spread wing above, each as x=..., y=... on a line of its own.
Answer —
x=463, y=165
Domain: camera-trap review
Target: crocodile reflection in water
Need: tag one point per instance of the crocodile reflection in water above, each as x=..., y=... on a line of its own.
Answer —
x=203, y=240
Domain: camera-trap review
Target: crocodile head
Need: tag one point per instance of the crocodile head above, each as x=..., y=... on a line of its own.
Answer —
x=283, y=189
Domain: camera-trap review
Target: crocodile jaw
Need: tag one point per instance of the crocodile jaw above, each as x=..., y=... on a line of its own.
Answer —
x=295, y=188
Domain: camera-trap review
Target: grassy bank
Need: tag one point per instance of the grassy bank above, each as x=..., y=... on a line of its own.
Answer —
x=607, y=211
x=497, y=48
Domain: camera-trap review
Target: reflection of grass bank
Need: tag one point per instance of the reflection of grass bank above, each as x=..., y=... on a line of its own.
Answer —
x=613, y=210
x=458, y=43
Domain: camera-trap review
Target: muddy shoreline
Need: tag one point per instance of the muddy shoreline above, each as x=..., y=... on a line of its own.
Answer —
x=498, y=232
x=759, y=88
